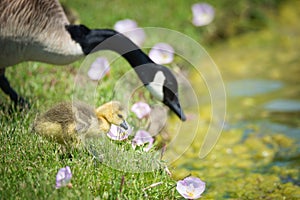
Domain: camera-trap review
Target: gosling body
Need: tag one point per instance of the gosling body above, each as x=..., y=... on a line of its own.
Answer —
x=70, y=124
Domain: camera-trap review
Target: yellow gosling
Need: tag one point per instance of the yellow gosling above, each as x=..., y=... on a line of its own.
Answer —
x=70, y=124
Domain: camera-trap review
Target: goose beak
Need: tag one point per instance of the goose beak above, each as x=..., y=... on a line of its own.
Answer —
x=176, y=108
x=174, y=105
x=124, y=125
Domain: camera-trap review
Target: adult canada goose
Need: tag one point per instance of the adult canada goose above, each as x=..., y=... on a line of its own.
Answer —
x=38, y=30
x=71, y=123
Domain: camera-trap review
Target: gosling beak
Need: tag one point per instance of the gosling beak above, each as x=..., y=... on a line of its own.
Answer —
x=124, y=125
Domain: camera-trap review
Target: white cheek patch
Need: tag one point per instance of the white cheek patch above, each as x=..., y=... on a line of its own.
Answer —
x=156, y=86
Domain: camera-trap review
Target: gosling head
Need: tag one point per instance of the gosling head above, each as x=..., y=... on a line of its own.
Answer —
x=113, y=113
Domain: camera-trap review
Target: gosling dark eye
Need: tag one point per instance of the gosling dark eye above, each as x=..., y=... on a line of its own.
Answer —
x=120, y=116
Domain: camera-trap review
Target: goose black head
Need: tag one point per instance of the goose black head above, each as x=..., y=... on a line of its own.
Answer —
x=162, y=84
x=158, y=79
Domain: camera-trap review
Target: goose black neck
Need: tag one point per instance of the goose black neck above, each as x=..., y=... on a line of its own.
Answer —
x=107, y=39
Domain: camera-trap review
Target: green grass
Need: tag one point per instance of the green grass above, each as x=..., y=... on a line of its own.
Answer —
x=29, y=164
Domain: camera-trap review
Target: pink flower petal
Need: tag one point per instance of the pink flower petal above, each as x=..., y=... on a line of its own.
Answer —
x=203, y=14
x=99, y=68
x=131, y=30
x=141, y=109
x=63, y=177
x=125, y=25
x=162, y=53
x=118, y=133
x=190, y=187
x=142, y=137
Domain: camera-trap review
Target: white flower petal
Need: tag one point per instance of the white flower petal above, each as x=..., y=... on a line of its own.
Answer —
x=99, y=68
x=125, y=25
x=63, y=177
x=190, y=187
x=141, y=109
x=203, y=14
x=118, y=133
x=131, y=30
x=142, y=137
x=162, y=53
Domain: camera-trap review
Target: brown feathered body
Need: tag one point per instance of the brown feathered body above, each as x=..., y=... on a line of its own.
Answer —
x=34, y=30
x=72, y=123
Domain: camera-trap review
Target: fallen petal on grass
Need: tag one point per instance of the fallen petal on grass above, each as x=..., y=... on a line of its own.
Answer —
x=190, y=187
x=141, y=138
x=63, y=177
x=118, y=133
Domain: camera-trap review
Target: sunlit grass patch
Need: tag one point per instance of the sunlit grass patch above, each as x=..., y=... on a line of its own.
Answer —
x=30, y=163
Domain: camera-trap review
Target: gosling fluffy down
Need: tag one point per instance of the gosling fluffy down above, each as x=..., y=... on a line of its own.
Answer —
x=71, y=123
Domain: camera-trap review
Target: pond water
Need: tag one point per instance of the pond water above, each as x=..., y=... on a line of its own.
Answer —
x=258, y=152
x=283, y=105
x=251, y=87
